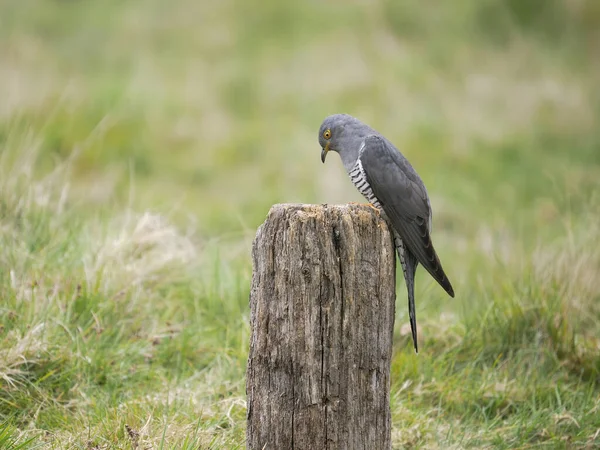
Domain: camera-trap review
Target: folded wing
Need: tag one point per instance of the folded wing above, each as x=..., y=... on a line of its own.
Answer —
x=404, y=199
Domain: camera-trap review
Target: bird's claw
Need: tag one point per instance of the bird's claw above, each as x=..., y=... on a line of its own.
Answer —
x=370, y=205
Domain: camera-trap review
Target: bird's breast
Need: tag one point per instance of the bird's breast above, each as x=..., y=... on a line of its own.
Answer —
x=359, y=179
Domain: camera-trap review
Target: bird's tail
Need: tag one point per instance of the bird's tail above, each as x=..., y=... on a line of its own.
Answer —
x=409, y=267
x=409, y=276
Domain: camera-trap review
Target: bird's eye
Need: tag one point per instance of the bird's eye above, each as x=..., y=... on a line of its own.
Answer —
x=327, y=134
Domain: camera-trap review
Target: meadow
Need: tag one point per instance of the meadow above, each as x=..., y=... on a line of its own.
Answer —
x=143, y=142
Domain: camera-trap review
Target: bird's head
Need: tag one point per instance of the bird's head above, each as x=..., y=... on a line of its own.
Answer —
x=331, y=132
x=343, y=134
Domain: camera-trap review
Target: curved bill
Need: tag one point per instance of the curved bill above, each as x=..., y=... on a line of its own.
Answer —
x=324, y=152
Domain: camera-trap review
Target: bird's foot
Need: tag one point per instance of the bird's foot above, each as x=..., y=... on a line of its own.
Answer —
x=370, y=205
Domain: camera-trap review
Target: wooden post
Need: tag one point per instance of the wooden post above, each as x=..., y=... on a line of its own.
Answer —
x=322, y=315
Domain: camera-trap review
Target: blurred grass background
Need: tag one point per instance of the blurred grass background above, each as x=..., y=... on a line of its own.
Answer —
x=142, y=143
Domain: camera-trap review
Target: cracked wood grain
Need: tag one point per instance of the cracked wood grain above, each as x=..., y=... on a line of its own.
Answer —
x=322, y=316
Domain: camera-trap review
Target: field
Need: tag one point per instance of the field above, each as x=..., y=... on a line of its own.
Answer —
x=143, y=142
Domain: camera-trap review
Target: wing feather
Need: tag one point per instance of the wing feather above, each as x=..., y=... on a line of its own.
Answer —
x=404, y=199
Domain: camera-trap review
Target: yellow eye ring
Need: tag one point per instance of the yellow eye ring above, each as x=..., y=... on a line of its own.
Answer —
x=327, y=134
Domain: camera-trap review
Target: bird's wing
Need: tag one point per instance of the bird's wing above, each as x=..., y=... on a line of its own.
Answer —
x=404, y=200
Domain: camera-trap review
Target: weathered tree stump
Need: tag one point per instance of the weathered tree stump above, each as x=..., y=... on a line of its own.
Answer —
x=322, y=315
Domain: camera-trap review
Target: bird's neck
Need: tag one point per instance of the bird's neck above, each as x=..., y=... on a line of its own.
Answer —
x=350, y=154
x=348, y=160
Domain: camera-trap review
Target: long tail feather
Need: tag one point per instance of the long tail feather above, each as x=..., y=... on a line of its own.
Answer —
x=409, y=267
x=409, y=276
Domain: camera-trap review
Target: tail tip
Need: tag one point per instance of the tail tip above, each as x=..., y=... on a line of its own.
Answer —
x=448, y=288
x=413, y=327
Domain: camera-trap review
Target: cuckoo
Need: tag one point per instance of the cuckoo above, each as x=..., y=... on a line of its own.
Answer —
x=387, y=180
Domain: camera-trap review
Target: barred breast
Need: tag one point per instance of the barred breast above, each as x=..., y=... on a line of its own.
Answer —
x=359, y=179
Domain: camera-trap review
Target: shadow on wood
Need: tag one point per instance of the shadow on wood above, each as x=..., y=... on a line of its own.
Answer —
x=322, y=317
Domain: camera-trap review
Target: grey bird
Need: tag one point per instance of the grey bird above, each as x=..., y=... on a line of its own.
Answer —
x=387, y=180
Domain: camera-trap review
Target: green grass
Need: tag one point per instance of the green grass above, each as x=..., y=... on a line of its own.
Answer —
x=143, y=142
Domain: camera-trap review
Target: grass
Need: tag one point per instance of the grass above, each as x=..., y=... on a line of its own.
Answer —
x=141, y=145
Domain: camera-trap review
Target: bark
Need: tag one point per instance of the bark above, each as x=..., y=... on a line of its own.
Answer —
x=322, y=316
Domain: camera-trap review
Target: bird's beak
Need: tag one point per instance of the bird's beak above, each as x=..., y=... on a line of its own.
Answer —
x=324, y=152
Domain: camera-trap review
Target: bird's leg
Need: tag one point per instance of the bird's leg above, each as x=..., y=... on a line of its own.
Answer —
x=370, y=205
